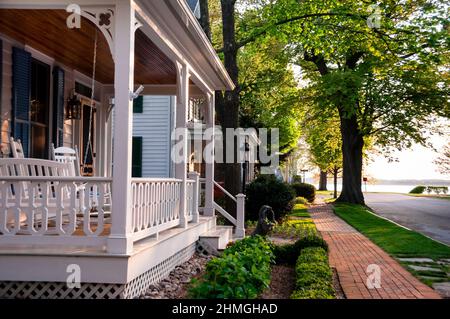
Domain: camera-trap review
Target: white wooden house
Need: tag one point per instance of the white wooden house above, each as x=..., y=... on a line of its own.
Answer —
x=116, y=233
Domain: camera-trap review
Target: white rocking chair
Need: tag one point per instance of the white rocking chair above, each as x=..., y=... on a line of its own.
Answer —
x=67, y=155
x=70, y=156
x=16, y=148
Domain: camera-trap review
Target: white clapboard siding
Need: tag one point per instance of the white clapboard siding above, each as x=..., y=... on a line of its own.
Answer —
x=154, y=125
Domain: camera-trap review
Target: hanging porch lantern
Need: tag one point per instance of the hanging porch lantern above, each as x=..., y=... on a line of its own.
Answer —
x=73, y=108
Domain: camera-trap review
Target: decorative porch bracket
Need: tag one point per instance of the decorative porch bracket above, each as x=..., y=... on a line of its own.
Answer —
x=104, y=18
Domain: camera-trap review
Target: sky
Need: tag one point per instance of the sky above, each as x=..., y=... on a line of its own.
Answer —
x=414, y=163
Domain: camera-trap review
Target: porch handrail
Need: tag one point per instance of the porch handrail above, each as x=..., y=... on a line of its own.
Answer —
x=225, y=191
x=238, y=222
x=224, y=213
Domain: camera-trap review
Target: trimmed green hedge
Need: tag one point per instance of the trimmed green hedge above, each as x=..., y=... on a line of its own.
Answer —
x=417, y=190
x=288, y=253
x=301, y=200
x=242, y=271
x=305, y=190
x=314, y=275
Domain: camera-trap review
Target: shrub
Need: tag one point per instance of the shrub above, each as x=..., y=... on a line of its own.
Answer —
x=417, y=190
x=295, y=228
x=307, y=191
x=288, y=253
x=267, y=190
x=437, y=189
x=297, y=179
x=243, y=271
x=314, y=278
x=301, y=200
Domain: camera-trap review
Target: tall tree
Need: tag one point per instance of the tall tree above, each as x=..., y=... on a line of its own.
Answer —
x=383, y=71
x=269, y=94
x=443, y=161
x=265, y=88
x=383, y=68
x=322, y=134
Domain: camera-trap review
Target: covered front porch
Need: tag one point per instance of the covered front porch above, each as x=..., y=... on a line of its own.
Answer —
x=122, y=232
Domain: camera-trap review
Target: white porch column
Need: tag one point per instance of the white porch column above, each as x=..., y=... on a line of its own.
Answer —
x=209, y=165
x=119, y=240
x=182, y=135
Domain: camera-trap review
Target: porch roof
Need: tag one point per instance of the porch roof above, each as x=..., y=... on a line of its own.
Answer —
x=170, y=32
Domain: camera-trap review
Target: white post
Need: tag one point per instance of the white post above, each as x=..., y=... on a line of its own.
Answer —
x=182, y=135
x=209, y=166
x=196, y=177
x=119, y=240
x=240, y=216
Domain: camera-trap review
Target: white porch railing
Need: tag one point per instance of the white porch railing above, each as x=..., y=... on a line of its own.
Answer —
x=156, y=205
x=239, y=220
x=54, y=210
x=41, y=205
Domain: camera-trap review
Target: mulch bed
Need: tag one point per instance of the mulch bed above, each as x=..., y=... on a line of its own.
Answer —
x=282, y=284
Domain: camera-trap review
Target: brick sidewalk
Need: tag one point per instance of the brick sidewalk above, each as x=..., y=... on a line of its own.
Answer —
x=351, y=253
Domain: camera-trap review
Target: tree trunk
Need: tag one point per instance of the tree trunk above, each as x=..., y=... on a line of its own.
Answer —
x=229, y=113
x=227, y=103
x=323, y=181
x=335, y=177
x=204, y=18
x=352, y=146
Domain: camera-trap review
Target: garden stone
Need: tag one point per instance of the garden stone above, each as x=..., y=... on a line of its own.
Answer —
x=416, y=260
x=422, y=268
x=443, y=288
x=173, y=286
x=266, y=220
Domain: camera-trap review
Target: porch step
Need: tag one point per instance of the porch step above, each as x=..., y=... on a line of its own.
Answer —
x=218, y=238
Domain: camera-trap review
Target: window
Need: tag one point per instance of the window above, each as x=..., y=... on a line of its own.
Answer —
x=39, y=109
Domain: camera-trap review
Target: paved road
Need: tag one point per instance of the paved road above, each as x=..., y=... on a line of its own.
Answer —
x=429, y=216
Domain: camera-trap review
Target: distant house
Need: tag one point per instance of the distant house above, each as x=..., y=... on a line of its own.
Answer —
x=153, y=123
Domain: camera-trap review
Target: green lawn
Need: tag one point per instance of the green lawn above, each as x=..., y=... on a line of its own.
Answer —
x=297, y=224
x=300, y=210
x=395, y=240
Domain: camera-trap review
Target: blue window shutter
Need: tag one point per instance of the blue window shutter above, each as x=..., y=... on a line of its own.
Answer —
x=58, y=106
x=138, y=104
x=136, y=166
x=21, y=78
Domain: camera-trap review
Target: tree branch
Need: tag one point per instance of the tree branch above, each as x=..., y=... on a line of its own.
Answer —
x=318, y=60
x=253, y=37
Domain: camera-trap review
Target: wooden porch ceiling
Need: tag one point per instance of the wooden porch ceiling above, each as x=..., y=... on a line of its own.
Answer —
x=47, y=32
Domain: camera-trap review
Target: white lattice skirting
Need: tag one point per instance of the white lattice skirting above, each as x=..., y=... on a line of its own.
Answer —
x=59, y=290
